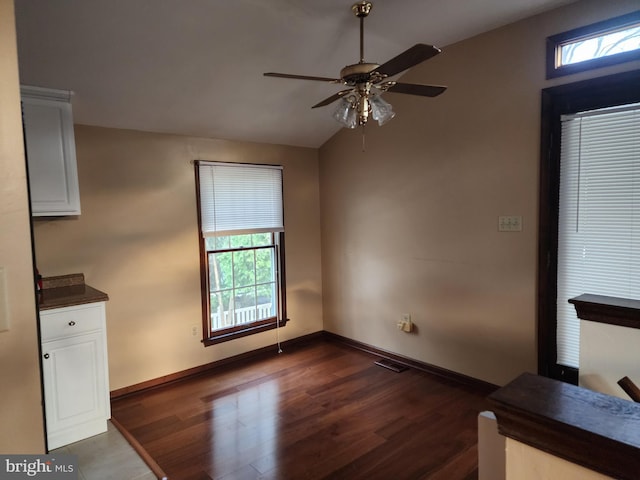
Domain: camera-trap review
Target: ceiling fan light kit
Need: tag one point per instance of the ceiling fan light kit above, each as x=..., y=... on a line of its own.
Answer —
x=367, y=81
x=346, y=114
x=381, y=110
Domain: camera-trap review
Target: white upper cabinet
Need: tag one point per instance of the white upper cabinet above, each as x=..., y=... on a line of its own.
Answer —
x=75, y=372
x=51, y=151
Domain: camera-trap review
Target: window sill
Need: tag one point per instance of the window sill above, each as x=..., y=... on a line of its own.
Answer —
x=612, y=310
x=250, y=330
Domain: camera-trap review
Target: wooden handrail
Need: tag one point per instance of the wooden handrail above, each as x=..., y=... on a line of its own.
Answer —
x=630, y=388
x=612, y=310
x=597, y=431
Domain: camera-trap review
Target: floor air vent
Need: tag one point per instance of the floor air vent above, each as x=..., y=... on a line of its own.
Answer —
x=396, y=367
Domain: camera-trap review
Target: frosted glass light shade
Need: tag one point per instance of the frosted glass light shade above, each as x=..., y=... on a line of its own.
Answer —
x=346, y=114
x=380, y=109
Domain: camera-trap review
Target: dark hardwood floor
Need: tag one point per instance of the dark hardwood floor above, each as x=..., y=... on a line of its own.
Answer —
x=321, y=410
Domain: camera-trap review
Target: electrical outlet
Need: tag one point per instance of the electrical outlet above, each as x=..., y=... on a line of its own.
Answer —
x=194, y=330
x=405, y=323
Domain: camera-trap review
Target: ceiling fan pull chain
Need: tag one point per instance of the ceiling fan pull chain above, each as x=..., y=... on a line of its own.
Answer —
x=363, y=142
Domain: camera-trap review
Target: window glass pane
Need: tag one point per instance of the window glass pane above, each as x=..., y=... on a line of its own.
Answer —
x=244, y=268
x=245, y=297
x=264, y=265
x=216, y=243
x=601, y=46
x=242, y=283
x=219, y=306
x=261, y=239
x=266, y=301
x=220, y=271
x=241, y=241
x=221, y=243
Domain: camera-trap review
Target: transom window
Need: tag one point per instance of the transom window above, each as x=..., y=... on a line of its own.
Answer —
x=241, y=246
x=600, y=44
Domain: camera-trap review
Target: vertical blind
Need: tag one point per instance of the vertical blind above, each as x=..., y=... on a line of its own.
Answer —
x=599, y=217
x=240, y=198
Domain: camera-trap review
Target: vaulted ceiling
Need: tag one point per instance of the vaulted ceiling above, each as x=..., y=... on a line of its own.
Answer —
x=195, y=67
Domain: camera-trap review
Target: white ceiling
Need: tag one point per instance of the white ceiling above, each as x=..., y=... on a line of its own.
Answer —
x=195, y=67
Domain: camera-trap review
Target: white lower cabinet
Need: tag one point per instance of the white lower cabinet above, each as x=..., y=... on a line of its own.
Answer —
x=75, y=372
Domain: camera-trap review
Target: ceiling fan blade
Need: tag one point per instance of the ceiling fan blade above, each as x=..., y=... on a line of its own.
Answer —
x=333, y=98
x=303, y=77
x=415, y=89
x=407, y=59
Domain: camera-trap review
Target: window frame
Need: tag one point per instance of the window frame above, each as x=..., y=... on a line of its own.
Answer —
x=555, y=42
x=585, y=95
x=238, y=331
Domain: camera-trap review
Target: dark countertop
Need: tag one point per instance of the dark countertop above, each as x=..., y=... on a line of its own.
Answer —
x=67, y=290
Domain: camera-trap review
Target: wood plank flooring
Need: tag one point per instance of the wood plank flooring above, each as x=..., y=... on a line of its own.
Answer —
x=316, y=411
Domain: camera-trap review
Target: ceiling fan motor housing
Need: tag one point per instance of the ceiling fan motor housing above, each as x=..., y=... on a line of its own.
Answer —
x=357, y=73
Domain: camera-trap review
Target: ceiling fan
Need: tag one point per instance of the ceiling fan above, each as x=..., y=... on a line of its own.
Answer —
x=367, y=81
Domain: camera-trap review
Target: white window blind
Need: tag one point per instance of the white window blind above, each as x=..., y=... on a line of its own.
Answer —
x=240, y=198
x=599, y=217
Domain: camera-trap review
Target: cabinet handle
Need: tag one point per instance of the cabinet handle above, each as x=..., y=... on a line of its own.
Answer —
x=46, y=356
x=72, y=323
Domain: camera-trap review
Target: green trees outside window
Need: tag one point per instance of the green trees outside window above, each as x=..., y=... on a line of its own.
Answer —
x=242, y=279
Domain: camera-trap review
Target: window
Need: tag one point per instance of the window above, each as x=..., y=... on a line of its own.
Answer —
x=241, y=245
x=589, y=212
x=605, y=43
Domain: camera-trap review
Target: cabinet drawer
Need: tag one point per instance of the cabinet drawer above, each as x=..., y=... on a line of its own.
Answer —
x=71, y=321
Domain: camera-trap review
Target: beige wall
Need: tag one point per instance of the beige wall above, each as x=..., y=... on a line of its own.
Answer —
x=410, y=225
x=21, y=420
x=607, y=354
x=137, y=240
x=527, y=463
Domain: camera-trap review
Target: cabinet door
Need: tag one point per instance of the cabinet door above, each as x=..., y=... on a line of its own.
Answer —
x=75, y=383
x=51, y=155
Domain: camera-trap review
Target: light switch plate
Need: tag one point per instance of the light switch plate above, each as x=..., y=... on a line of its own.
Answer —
x=511, y=223
x=4, y=301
